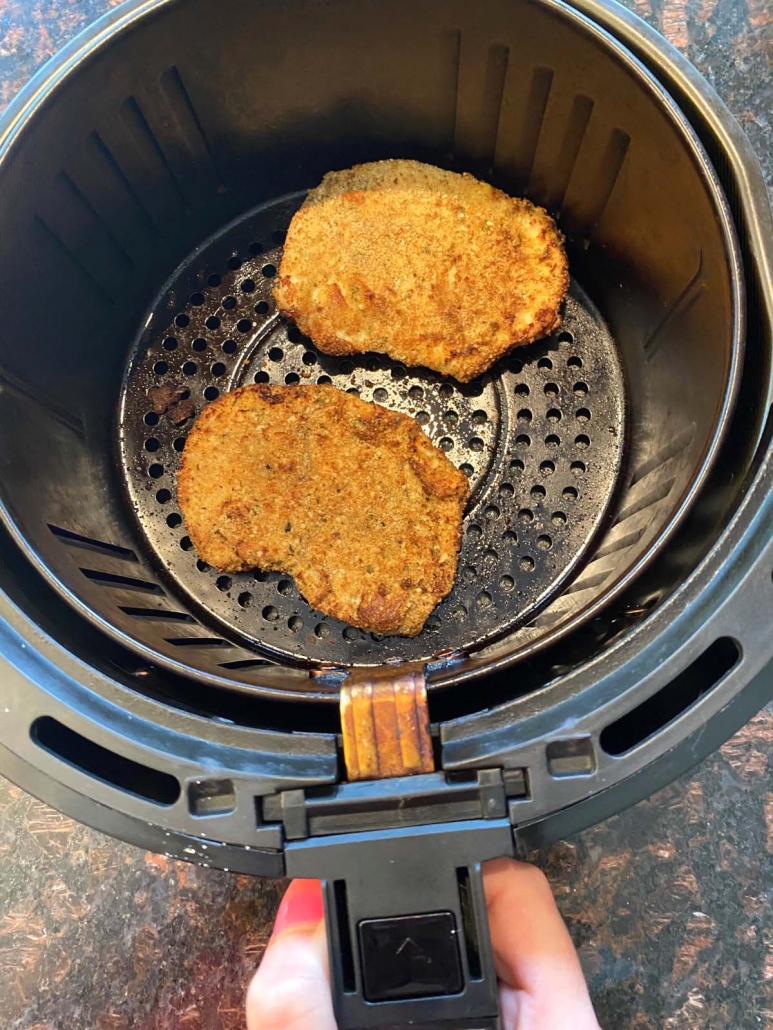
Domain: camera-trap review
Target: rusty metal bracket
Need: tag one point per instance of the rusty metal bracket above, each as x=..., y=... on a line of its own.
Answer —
x=385, y=724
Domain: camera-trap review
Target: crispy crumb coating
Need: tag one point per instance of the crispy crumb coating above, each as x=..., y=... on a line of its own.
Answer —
x=351, y=499
x=431, y=267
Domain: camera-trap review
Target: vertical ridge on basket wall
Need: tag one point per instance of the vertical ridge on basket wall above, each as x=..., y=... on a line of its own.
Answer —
x=134, y=161
x=649, y=488
x=76, y=229
x=112, y=246
x=24, y=391
x=145, y=140
x=520, y=122
x=692, y=291
x=129, y=184
x=595, y=176
x=481, y=84
x=50, y=239
x=526, y=93
x=564, y=124
x=568, y=152
x=181, y=137
x=110, y=189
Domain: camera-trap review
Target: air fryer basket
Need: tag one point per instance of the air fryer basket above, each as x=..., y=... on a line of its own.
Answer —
x=609, y=624
x=571, y=478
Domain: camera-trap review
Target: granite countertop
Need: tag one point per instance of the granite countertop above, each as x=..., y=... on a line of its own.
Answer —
x=669, y=903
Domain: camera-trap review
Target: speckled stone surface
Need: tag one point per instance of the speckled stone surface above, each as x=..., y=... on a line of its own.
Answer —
x=670, y=903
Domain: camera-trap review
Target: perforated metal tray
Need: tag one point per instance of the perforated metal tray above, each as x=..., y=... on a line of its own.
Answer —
x=540, y=437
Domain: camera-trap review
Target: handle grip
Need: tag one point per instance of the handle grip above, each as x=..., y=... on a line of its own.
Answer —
x=407, y=926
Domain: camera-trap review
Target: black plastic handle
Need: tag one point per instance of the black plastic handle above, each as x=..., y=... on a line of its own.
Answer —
x=407, y=926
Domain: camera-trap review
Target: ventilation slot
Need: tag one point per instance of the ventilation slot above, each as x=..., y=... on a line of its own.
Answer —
x=98, y=224
x=108, y=579
x=198, y=642
x=90, y=544
x=344, y=936
x=161, y=614
x=102, y=764
x=451, y=44
x=673, y=700
x=188, y=120
x=245, y=663
x=467, y=905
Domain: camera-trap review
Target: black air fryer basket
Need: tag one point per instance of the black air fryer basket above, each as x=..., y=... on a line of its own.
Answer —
x=610, y=619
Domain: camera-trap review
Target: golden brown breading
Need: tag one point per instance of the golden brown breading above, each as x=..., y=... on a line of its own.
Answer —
x=351, y=499
x=428, y=266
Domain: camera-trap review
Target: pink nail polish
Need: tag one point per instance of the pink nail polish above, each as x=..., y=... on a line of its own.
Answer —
x=302, y=903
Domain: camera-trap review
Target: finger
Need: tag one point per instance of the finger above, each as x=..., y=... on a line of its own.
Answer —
x=542, y=983
x=291, y=989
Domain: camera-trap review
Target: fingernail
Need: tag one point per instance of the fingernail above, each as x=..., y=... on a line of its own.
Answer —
x=302, y=903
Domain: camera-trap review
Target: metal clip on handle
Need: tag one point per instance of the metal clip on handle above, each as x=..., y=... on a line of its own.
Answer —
x=406, y=915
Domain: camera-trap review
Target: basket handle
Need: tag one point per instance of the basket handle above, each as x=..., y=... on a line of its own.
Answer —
x=407, y=926
x=406, y=918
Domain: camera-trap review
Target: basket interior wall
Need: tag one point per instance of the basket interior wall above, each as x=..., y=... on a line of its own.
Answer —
x=203, y=111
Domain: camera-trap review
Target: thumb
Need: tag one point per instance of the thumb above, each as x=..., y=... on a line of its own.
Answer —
x=541, y=982
x=291, y=989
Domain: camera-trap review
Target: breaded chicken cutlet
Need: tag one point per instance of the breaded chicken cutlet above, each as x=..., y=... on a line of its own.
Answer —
x=349, y=498
x=430, y=267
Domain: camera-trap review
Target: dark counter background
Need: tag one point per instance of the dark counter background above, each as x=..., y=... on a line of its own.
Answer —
x=670, y=904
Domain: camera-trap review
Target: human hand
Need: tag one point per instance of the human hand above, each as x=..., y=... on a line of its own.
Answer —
x=541, y=986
